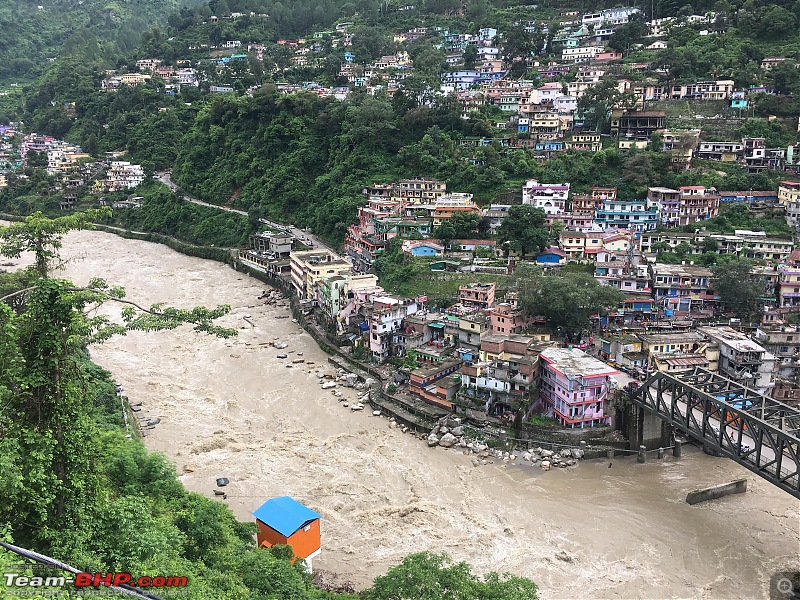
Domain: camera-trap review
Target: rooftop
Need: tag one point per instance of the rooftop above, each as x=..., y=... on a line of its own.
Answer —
x=285, y=515
x=576, y=363
x=732, y=338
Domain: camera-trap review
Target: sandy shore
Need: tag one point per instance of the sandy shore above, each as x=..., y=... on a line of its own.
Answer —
x=231, y=408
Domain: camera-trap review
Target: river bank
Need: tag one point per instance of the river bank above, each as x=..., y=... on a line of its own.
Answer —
x=232, y=408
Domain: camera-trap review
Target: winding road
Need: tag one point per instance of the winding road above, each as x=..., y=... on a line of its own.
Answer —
x=306, y=238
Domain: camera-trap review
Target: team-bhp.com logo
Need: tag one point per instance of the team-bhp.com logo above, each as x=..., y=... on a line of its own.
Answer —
x=94, y=580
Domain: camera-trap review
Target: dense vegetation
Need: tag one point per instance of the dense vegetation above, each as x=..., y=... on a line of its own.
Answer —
x=37, y=30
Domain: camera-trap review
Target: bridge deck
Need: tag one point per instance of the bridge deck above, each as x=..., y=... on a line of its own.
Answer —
x=758, y=432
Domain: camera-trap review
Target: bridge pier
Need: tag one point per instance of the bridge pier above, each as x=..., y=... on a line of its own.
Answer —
x=642, y=428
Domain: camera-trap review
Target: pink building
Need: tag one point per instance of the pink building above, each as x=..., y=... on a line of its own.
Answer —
x=574, y=387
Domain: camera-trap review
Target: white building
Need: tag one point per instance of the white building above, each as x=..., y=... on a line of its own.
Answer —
x=550, y=197
x=611, y=16
x=742, y=359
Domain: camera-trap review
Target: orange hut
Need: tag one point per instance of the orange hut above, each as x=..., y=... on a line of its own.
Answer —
x=285, y=521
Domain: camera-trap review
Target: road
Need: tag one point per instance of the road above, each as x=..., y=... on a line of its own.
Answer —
x=305, y=237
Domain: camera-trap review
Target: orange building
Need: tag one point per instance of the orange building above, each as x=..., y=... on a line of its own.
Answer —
x=285, y=521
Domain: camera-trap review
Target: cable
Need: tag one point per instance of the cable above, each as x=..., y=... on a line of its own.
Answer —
x=123, y=588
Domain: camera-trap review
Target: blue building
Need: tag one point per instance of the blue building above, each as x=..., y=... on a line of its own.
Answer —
x=422, y=248
x=551, y=257
x=641, y=215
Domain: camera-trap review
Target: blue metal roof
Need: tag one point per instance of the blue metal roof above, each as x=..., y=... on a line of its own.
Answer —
x=285, y=515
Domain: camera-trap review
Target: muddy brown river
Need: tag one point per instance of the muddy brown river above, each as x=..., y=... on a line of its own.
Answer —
x=231, y=408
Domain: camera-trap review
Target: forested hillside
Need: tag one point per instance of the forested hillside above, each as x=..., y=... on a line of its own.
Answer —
x=35, y=30
x=302, y=158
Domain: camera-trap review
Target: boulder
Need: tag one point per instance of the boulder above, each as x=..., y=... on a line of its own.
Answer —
x=577, y=453
x=351, y=379
x=328, y=385
x=376, y=413
x=572, y=462
x=443, y=430
x=447, y=440
x=534, y=459
x=526, y=456
x=566, y=452
x=432, y=440
x=282, y=356
x=458, y=431
x=546, y=453
x=475, y=462
x=545, y=465
x=280, y=345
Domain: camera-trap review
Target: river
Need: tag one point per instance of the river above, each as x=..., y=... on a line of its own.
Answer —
x=231, y=408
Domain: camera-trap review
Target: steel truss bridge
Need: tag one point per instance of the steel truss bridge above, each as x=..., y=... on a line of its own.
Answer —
x=758, y=432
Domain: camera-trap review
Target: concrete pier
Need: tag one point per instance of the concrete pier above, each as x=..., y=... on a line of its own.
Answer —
x=718, y=491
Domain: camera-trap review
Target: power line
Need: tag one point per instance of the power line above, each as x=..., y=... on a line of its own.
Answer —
x=122, y=588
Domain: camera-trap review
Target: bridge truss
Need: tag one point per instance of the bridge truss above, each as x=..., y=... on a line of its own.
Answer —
x=758, y=432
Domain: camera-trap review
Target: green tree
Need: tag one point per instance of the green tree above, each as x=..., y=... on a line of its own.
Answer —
x=470, y=56
x=524, y=228
x=42, y=236
x=735, y=286
x=427, y=576
x=566, y=300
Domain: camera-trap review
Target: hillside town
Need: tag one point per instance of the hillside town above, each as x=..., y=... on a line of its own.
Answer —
x=483, y=352
x=544, y=115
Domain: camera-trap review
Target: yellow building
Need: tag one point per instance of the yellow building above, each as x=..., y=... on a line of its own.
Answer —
x=308, y=267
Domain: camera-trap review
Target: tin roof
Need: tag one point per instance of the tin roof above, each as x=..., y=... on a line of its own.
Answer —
x=285, y=515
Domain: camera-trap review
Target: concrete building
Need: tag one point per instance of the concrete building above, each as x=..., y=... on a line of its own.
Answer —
x=477, y=295
x=310, y=266
x=550, y=197
x=682, y=288
x=742, y=359
x=688, y=205
x=471, y=330
x=506, y=318
x=573, y=387
x=638, y=215
x=274, y=245
x=386, y=318
x=782, y=340
x=789, y=281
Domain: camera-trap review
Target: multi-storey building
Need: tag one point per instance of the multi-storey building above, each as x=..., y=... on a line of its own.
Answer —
x=573, y=387
x=418, y=191
x=637, y=124
x=499, y=384
x=339, y=299
x=754, y=154
x=685, y=206
x=122, y=175
x=581, y=53
x=588, y=203
x=310, y=266
x=477, y=295
x=782, y=340
x=720, y=151
x=550, y=197
x=506, y=318
x=789, y=281
x=789, y=196
x=471, y=329
x=679, y=352
x=385, y=321
x=495, y=215
x=638, y=215
x=611, y=16
x=275, y=245
x=450, y=204
x=682, y=288
x=741, y=358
